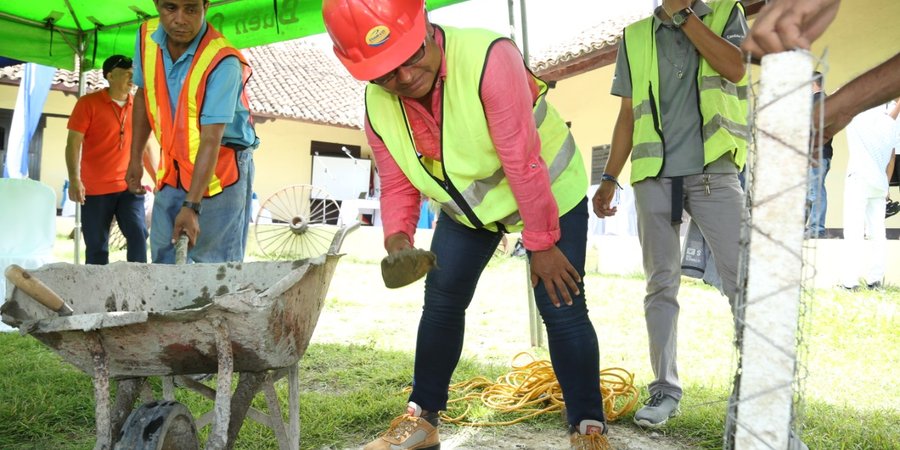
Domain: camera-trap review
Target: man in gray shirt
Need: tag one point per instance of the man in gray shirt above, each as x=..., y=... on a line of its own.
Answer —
x=683, y=120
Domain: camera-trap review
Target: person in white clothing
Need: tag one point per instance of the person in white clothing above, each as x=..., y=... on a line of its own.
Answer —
x=872, y=137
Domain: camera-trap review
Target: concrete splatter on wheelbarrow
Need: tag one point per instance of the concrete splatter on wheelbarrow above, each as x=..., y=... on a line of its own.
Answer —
x=131, y=321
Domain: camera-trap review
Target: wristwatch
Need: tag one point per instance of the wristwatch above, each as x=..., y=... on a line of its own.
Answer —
x=192, y=205
x=680, y=17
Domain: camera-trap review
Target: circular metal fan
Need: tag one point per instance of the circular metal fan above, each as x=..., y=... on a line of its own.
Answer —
x=297, y=222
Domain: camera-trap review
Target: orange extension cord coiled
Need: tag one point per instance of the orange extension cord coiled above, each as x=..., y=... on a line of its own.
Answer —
x=531, y=389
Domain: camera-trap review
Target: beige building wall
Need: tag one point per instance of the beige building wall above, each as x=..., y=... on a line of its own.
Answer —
x=585, y=101
x=283, y=158
x=53, y=152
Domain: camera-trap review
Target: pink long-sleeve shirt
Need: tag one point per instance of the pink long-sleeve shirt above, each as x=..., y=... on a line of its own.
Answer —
x=508, y=93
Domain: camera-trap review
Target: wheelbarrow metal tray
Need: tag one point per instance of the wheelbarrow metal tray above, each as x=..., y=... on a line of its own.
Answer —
x=155, y=319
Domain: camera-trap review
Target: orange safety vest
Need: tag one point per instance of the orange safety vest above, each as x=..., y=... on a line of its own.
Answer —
x=179, y=134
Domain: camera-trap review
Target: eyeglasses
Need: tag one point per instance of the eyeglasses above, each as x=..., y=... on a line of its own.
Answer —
x=415, y=58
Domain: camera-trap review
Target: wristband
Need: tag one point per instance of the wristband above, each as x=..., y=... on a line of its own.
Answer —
x=608, y=177
x=192, y=205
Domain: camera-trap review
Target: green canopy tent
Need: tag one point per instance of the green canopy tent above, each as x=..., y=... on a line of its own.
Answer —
x=57, y=32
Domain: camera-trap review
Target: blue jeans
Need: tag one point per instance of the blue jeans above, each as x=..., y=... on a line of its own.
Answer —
x=96, y=217
x=462, y=253
x=224, y=220
x=817, y=199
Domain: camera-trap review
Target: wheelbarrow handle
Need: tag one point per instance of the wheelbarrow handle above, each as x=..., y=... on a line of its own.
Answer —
x=181, y=249
x=37, y=290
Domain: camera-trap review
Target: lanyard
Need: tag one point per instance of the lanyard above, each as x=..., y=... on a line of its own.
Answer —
x=121, y=118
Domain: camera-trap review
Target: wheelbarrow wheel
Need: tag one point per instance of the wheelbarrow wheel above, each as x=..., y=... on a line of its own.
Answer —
x=159, y=425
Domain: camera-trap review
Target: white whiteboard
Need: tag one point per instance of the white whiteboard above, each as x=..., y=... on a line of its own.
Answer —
x=343, y=178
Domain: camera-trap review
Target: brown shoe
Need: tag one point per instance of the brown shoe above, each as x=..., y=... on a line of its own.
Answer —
x=589, y=436
x=410, y=431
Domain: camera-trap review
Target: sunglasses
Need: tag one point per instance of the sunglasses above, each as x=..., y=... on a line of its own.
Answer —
x=120, y=62
x=415, y=58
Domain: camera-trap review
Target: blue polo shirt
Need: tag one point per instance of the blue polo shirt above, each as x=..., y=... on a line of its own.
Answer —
x=222, y=102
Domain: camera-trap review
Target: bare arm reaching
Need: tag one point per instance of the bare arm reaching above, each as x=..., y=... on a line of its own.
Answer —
x=73, y=164
x=140, y=133
x=873, y=88
x=621, y=148
x=789, y=24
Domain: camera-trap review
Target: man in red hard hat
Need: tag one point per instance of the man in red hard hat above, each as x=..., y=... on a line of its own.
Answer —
x=456, y=115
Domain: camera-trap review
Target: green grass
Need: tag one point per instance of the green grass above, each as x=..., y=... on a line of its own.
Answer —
x=348, y=393
x=353, y=373
x=43, y=403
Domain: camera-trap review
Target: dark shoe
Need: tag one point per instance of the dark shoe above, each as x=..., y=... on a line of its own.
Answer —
x=810, y=234
x=656, y=411
x=891, y=208
x=519, y=249
x=876, y=286
x=848, y=288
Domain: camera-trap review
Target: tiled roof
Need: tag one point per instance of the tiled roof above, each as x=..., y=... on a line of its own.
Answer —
x=64, y=80
x=600, y=37
x=293, y=80
x=302, y=80
x=297, y=79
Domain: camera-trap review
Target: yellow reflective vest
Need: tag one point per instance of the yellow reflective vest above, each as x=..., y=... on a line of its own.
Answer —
x=723, y=104
x=469, y=182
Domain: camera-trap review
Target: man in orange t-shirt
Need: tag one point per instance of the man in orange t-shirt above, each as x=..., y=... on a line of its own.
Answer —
x=97, y=154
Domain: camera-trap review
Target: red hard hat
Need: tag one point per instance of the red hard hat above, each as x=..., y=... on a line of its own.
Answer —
x=374, y=37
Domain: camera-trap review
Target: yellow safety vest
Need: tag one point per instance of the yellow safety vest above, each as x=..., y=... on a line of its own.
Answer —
x=469, y=182
x=723, y=104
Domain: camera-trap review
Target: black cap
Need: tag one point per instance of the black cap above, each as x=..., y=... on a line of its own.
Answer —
x=115, y=61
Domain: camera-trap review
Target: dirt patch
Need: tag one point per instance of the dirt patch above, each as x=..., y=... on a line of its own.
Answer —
x=621, y=437
x=525, y=437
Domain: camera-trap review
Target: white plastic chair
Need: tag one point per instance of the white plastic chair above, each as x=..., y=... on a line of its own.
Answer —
x=27, y=226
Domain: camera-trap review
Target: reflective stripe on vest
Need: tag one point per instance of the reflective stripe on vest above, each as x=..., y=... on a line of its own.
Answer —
x=179, y=133
x=149, y=60
x=473, y=184
x=723, y=104
x=476, y=192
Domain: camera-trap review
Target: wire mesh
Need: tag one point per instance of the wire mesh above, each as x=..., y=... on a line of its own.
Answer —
x=805, y=255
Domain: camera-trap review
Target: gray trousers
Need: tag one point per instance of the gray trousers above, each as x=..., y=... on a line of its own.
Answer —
x=719, y=215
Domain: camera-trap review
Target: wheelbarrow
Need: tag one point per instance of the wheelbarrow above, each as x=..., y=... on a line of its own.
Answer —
x=128, y=321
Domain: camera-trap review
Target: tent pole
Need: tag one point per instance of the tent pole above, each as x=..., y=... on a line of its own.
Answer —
x=524, y=34
x=79, y=63
x=535, y=327
x=512, y=19
x=538, y=333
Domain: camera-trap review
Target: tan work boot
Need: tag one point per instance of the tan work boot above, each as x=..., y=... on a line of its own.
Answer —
x=589, y=436
x=410, y=431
